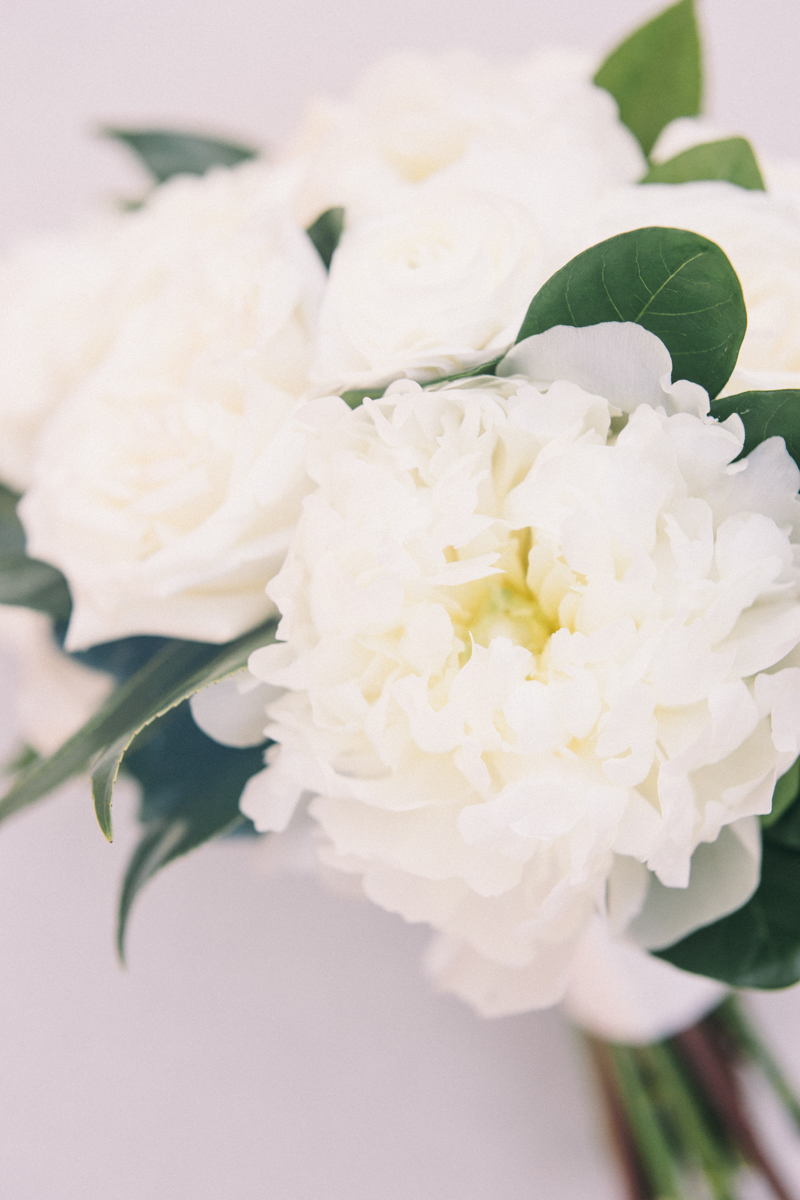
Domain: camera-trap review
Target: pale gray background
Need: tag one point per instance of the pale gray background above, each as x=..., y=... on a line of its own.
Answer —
x=269, y=1040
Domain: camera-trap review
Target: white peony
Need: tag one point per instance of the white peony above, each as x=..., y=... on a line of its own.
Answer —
x=166, y=487
x=537, y=670
x=759, y=232
x=64, y=301
x=412, y=116
x=437, y=287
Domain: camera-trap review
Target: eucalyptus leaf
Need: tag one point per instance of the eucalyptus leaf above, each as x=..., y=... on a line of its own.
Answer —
x=190, y=794
x=677, y=284
x=656, y=74
x=169, y=152
x=325, y=233
x=731, y=159
x=764, y=415
x=758, y=945
x=172, y=675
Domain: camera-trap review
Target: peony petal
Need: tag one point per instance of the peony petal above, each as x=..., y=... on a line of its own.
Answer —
x=724, y=875
x=617, y=359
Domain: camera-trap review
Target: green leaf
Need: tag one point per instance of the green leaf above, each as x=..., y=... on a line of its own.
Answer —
x=12, y=535
x=764, y=415
x=168, y=152
x=325, y=233
x=677, y=284
x=24, y=581
x=731, y=159
x=784, y=796
x=656, y=74
x=486, y=368
x=32, y=584
x=25, y=757
x=758, y=945
x=355, y=397
x=190, y=793
x=172, y=675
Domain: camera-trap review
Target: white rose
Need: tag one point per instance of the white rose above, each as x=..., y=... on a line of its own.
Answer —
x=437, y=287
x=413, y=115
x=167, y=486
x=65, y=300
x=535, y=669
x=760, y=235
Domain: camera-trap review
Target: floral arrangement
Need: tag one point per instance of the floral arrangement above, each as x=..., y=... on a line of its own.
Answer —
x=428, y=495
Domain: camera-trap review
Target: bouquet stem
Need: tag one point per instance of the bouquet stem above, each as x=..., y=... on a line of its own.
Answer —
x=676, y=1111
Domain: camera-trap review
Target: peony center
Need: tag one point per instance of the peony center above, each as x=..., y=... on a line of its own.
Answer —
x=510, y=605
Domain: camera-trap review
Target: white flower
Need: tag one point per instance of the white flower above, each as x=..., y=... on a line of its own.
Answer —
x=167, y=485
x=412, y=116
x=54, y=695
x=760, y=235
x=64, y=301
x=437, y=287
x=533, y=666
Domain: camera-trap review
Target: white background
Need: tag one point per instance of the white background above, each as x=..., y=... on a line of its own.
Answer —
x=270, y=1040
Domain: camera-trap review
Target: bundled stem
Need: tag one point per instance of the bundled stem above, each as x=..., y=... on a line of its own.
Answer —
x=676, y=1112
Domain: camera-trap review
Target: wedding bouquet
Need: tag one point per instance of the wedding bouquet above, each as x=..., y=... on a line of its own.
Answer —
x=427, y=495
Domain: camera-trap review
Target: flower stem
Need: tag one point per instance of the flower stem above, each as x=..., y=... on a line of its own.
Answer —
x=654, y=1148
x=622, y=1136
x=676, y=1110
x=733, y=1019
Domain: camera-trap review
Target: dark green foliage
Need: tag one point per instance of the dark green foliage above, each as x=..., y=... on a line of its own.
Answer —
x=24, y=581
x=178, y=671
x=325, y=233
x=190, y=794
x=759, y=945
x=656, y=74
x=731, y=159
x=677, y=284
x=765, y=415
x=168, y=152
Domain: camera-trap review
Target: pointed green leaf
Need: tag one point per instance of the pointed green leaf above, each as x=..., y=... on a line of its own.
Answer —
x=24, y=581
x=12, y=535
x=486, y=368
x=677, y=284
x=784, y=796
x=765, y=415
x=190, y=793
x=656, y=74
x=104, y=776
x=172, y=675
x=32, y=584
x=168, y=152
x=325, y=233
x=731, y=159
x=356, y=396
